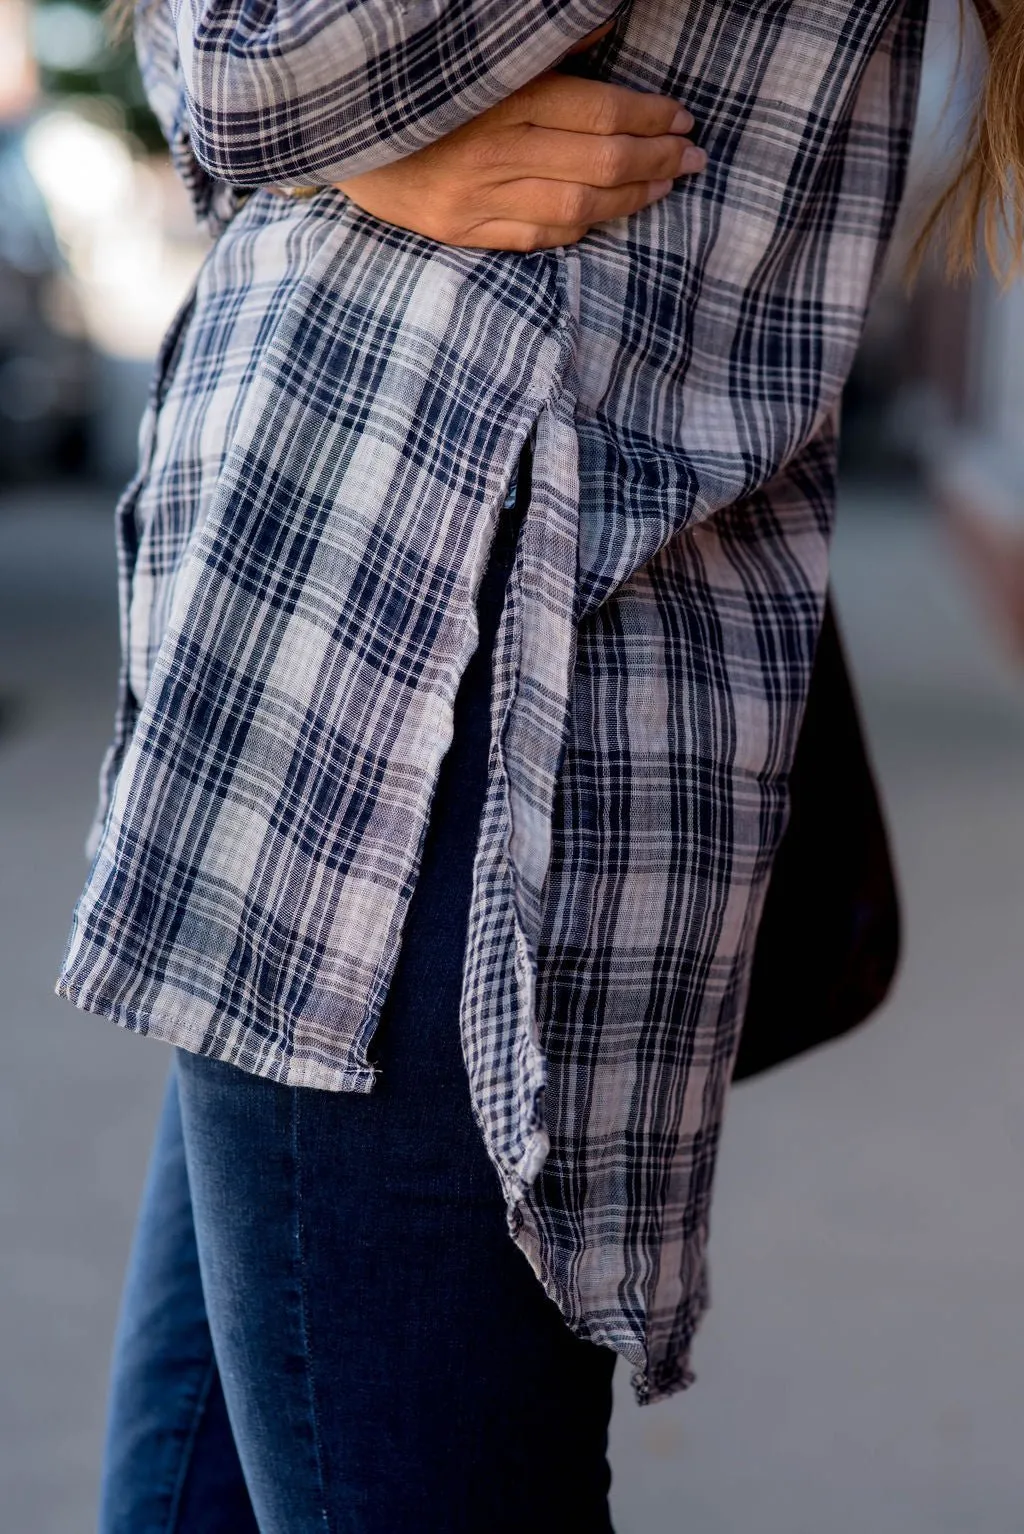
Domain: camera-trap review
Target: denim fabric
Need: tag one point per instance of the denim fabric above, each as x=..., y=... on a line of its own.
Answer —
x=170, y=1457
x=340, y=1266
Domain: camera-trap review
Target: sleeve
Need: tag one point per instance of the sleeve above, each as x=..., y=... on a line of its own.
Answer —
x=318, y=90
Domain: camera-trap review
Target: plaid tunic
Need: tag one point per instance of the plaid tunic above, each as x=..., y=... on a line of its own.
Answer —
x=335, y=421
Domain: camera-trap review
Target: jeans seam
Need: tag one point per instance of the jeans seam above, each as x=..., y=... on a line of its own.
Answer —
x=314, y=1418
x=202, y=1401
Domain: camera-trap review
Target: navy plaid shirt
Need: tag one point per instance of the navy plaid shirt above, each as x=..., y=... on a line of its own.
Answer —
x=335, y=421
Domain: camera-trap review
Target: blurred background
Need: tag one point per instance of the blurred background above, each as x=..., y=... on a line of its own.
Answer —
x=863, y=1368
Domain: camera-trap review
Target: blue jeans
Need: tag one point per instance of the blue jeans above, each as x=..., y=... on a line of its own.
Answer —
x=326, y=1325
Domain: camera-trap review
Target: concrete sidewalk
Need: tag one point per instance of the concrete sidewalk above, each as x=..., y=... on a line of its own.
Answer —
x=863, y=1369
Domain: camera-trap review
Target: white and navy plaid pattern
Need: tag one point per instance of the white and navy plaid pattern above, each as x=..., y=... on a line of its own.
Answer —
x=336, y=420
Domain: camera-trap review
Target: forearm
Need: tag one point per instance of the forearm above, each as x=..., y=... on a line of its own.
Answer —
x=320, y=90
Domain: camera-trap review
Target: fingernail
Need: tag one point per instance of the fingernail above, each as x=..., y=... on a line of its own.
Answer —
x=693, y=159
x=682, y=122
x=660, y=189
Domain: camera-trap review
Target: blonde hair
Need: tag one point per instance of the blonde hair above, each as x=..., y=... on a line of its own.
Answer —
x=986, y=195
x=119, y=16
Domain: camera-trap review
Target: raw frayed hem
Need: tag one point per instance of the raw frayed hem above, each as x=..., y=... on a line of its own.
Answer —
x=195, y=1038
x=669, y=1376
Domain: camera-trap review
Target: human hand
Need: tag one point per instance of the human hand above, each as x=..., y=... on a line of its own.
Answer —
x=539, y=169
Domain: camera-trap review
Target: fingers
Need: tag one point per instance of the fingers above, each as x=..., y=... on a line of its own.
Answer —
x=513, y=234
x=592, y=159
x=593, y=106
x=567, y=204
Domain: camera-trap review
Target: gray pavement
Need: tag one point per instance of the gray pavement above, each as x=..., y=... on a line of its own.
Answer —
x=863, y=1368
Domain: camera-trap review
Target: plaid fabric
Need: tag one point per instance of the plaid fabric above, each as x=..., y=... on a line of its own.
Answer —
x=336, y=419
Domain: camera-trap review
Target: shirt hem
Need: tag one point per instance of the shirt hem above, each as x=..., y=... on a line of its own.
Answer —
x=195, y=1039
x=650, y=1384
